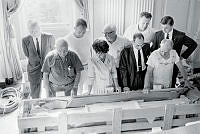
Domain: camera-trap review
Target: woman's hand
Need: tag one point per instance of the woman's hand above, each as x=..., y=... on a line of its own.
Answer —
x=126, y=89
x=118, y=89
x=146, y=90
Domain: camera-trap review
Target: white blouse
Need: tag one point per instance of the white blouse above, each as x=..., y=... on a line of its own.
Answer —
x=101, y=74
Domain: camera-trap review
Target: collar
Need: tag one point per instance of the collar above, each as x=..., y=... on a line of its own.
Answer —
x=99, y=60
x=38, y=37
x=135, y=46
x=57, y=56
x=141, y=30
x=170, y=33
x=116, y=38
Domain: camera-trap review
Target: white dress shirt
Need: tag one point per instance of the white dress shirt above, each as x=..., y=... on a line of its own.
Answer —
x=35, y=42
x=116, y=47
x=142, y=58
x=148, y=33
x=170, y=35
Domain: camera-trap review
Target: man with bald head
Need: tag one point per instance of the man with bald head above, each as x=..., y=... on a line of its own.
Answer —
x=160, y=66
x=61, y=70
x=116, y=44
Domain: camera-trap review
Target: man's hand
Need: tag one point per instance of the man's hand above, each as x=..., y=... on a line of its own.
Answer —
x=118, y=89
x=126, y=89
x=86, y=93
x=146, y=91
x=74, y=91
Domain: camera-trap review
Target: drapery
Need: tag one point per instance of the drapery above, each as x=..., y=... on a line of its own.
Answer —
x=84, y=9
x=114, y=14
x=138, y=7
x=9, y=58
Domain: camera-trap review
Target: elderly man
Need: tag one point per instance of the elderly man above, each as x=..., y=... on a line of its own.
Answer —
x=80, y=42
x=142, y=27
x=160, y=67
x=35, y=47
x=61, y=70
x=179, y=39
x=116, y=44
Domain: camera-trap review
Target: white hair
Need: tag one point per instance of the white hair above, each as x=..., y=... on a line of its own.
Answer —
x=167, y=42
x=61, y=42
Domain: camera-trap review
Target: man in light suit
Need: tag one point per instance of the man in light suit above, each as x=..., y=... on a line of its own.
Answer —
x=35, y=47
x=179, y=39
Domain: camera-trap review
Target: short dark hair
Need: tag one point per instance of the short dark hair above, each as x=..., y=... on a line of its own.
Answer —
x=167, y=20
x=81, y=22
x=100, y=46
x=146, y=15
x=138, y=35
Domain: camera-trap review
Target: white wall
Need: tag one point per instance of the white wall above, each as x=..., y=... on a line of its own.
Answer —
x=98, y=17
x=185, y=13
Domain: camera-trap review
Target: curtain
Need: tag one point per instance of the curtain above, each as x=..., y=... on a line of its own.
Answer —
x=140, y=6
x=84, y=9
x=135, y=7
x=114, y=14
x=10, y=63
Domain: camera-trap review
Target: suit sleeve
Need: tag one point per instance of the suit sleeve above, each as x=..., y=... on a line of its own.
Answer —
x=191, y=46
x=24, y=47
x=147, y=49
x=155, y=42
x=123, y=69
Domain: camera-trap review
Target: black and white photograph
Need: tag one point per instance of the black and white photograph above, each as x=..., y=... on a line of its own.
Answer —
x=99, y=66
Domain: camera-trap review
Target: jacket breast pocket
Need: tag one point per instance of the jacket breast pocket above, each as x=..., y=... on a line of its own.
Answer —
x=71, y=71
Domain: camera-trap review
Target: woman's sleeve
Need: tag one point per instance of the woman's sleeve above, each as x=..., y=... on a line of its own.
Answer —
x=91, y=72
x=113, y=70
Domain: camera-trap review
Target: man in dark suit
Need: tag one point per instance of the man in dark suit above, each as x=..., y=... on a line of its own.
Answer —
x=179, y=39
x=132, y=64
x=35, y=47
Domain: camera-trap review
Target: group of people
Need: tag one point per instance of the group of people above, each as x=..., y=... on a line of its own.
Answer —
x=140, y=60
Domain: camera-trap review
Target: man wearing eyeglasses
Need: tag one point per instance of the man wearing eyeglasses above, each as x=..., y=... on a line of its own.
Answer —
x=116, y=44
x=132, y=64
x=160, y=67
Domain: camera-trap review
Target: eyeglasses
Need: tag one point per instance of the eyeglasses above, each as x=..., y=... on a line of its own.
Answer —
x=108, y=33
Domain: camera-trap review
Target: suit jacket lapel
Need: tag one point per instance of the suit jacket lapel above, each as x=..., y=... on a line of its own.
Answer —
x=132, y=54
x=144, y=55
x=162, y=37
x=33, y=45
x=174, y=35
x=42, y=44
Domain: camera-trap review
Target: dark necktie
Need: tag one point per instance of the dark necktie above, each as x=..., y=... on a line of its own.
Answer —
x=139, y=61
x=167, y=36
x=38, y=47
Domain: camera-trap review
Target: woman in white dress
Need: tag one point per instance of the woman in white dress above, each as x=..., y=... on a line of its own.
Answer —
x=102, y=74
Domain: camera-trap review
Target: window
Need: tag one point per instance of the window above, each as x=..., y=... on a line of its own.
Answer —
x=54, y=16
